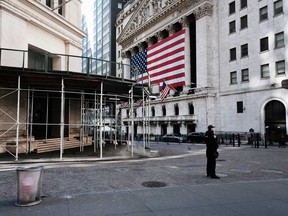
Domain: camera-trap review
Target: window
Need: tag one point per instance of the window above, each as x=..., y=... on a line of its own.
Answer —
x=120, y=6
x=278, y=7
x=279, y=40
x=135, y=112
x=243, y=4
x=39, y=61
x=232, y=27
x=265, y=71
x=244, y=22
x=233, y=54
x=61, y=7
x=191, y=108
x=48, y=3
x=264, y=44
x=232, y=7
x=233, y=77
x=240, y=107
x=245, y=75
x=280, y=67
x=153, y=111
x=244, y=50
x=176, y=109
x=263, y=13
x=163, y=110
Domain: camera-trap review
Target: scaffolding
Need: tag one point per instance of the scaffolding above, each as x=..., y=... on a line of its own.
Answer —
x=53, y=110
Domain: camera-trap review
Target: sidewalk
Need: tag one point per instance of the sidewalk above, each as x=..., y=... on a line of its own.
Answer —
x=265, y=198
x=253, y=182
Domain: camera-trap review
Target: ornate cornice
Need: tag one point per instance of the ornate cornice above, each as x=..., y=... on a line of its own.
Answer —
x=151, y=12
x=203, y=10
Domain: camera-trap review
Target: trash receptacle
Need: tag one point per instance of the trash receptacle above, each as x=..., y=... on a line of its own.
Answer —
x=29, y=183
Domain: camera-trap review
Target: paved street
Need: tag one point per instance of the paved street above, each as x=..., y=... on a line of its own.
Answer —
x=253, y=181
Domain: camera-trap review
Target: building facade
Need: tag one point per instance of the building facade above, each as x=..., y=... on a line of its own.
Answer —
x=42, y=26
x=235, y=54
x=98, y=22
x=30, y=32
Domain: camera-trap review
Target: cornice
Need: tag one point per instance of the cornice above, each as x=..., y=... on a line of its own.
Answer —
x=200, y=8
x=122, y=16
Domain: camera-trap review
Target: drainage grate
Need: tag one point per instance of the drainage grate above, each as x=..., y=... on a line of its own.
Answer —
x=153, y=184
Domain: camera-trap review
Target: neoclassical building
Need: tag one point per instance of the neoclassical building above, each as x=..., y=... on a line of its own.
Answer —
x=235, y=58
x=46, y=102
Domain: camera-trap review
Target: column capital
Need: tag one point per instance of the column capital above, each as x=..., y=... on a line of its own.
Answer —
x=171, y=29
x=125, y=54
x=184, y=22
x=149, y=41
x=203, y=10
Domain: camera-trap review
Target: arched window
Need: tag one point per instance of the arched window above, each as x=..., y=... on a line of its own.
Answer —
x=176, y=109
x=191, y=108
x=275, y=120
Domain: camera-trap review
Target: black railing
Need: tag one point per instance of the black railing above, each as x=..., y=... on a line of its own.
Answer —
x=49, y=62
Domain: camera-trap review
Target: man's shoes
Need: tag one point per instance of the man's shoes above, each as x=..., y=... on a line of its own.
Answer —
x=214, y=177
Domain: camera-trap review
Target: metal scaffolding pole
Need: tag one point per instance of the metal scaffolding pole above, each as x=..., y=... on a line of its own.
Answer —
x=132, y=121
x=143, y=120
x=101, y=120
x=82, y=120
x=62, y=119
x=28, y=144
x=31, y=117
x=17, y=119
x=95, y=120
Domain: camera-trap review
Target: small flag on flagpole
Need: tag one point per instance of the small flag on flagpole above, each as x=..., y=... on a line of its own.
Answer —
x=125, y=105
x=165, y=90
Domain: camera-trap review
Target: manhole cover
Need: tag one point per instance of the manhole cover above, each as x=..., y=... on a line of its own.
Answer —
x=153, y=184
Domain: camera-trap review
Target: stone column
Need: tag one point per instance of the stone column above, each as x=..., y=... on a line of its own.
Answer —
x=206, y=73
x=203, y=44
x=125, y=66
x=185, y=25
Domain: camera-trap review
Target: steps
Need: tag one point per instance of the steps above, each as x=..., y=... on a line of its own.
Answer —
x=54, y=144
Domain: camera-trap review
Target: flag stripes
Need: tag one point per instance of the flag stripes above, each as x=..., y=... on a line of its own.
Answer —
x=165, y=61
x=165, y=91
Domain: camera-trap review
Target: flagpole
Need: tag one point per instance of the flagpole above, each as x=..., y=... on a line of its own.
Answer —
x=143, y=120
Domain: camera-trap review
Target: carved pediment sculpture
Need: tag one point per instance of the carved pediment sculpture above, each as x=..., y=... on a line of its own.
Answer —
x=149, y=12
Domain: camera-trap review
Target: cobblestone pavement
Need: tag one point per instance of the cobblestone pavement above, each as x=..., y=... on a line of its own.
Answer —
x=177, y=165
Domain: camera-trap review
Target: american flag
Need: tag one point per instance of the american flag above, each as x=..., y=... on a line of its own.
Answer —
x=163, y=61
x=165, y=91
x=125, y=105
x=139, y=64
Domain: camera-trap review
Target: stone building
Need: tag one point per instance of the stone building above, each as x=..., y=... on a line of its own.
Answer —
x=46, y=102
x=235, y=60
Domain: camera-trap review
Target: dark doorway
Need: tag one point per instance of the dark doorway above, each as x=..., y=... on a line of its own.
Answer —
x=275, y=121
x=163, y=129
x=47, y=116
x=190, y=128
x=176, y=129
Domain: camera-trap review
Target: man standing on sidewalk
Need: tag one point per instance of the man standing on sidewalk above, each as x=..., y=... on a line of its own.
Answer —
x=211, y=152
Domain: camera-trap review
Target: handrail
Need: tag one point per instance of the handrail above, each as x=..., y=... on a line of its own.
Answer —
x=67, y=65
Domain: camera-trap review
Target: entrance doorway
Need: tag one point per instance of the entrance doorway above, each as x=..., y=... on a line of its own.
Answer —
x=275, y=121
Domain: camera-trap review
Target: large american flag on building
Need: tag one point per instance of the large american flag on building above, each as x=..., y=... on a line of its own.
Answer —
x=163, y=61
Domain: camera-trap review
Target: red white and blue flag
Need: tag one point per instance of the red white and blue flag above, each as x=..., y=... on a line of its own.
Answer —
x=163, y=61
x=165, y=90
